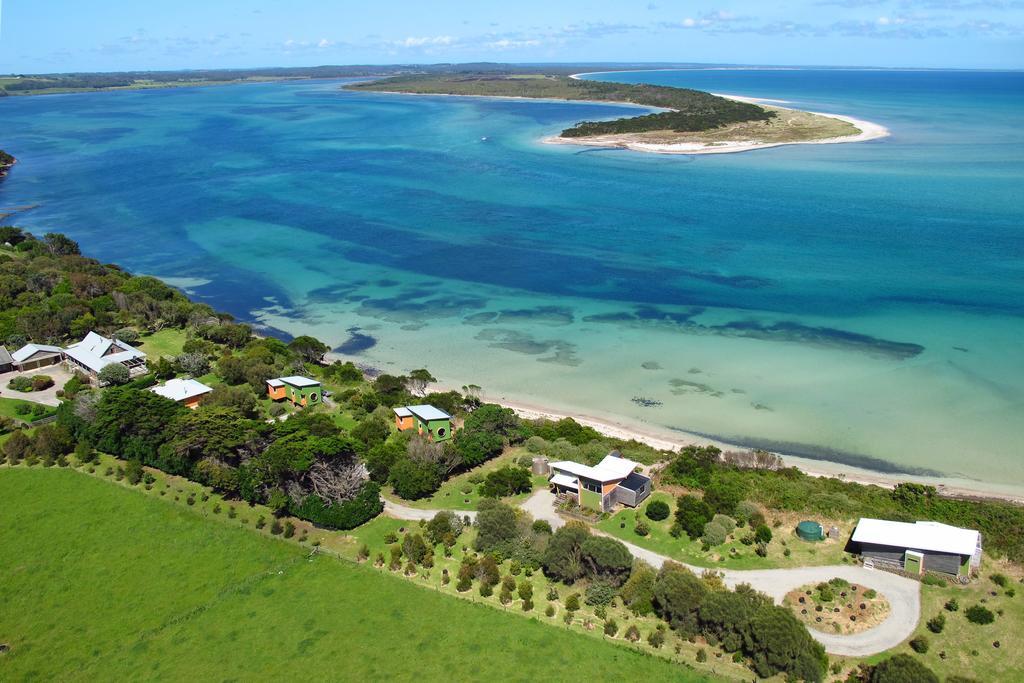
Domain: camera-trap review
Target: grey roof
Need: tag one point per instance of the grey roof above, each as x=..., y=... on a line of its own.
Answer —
x=94, y=352
x=29, y=350
x=5, y=356
x=403, y=412
x=428, y=413
x=634, y=482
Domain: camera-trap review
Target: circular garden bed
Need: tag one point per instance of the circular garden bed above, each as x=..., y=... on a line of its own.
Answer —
x=838, y=606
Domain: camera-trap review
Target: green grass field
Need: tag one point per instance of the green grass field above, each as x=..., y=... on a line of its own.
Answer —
x=8, y=408
x=801, y=553
x=166, y=342
x=967, y=649
x=104, y=583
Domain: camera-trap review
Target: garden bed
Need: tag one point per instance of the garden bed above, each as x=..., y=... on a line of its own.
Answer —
x=838, y=606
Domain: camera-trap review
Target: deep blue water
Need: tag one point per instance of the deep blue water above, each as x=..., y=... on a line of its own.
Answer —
x=858, y=302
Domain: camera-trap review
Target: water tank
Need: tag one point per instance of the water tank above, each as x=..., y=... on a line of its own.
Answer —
x=810, y=531
x=540, y=466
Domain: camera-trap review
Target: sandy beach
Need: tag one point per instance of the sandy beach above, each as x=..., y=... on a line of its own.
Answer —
x=868, y=131
x=663, y=438
x=670, y=440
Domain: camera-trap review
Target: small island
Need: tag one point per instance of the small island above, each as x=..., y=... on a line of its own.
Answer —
x=688, y=121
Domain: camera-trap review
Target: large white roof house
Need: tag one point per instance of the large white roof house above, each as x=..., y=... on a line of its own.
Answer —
x=613, y=480
x=919, y=546
x=95, y=352
x=187, y=391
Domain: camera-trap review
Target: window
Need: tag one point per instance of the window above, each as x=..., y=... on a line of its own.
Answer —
x=591, y=486
x=441, y=431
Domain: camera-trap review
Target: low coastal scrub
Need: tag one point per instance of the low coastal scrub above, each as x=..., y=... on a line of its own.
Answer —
x=725, y=486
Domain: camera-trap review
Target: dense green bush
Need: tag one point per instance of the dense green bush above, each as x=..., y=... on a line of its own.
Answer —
x=937, y=623
x=691, y=515
x=657, y=510
x=979, y=614
x=346, y=515
x=506, y=481
x=902, y=669
x=919, y=644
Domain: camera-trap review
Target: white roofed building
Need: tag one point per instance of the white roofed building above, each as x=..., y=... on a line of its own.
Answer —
x=919, y=546
x=613, y=480
x=95, y=352
x=301, y=391
x=185, y=391
x=32, y=356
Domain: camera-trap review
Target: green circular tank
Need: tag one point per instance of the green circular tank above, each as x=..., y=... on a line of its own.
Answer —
x=810, y=531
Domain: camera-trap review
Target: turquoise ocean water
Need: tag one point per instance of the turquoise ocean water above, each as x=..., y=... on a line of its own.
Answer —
x=858, y=303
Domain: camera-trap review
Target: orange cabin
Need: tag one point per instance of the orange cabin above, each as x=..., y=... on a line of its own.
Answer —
x=404, y=419
x=276, y=390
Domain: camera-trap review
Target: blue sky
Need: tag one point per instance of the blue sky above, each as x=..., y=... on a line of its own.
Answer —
x=96, y=35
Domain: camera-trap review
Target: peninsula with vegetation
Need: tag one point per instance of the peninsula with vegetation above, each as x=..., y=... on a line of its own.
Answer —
x=6, y=162
x=688, y=121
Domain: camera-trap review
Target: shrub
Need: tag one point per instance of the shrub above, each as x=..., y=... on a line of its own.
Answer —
x=572, y=603
x=22, y=384
x=714, y=534
x=261, y=522
x=702, y=655
x=40, y=382
x=932, y=580
x=527, y=605
x=724, y=521
x=506, y=481
x=657, y=510
x=606, y=558
x=762, y=534
x=641, y=529
x=289, y=529
x=552, y=593
x=390, y=537
x=745, y=510
x=486, y=590
x=275, y=526
x=464, y=584
x=900, y=668
x=191, y=500
x=525, y=590
x=657, y=638
x=611, y=628
x=937, y=623
x=870, y=594
x=414, y=548
x=952, y=605
x=114, y=374
x=691, y=515
x=978, y=614
x=919, y=644
x=599, y=593
x=216, y=507
x=542, y=526
x=549, y=611
x=133, y=472
x=232, y=512
x=632, y=633
x=1000, y=580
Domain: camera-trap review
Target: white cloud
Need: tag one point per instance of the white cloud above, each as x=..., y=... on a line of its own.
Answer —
x=506, y=44
x=325, y=43
x=425, y=41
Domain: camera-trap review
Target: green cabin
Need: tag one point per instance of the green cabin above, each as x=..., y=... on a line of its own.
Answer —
x=431, y=422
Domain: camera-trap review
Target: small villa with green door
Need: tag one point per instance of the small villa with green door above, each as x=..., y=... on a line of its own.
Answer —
x=918, y=547
x=431, y=422
x=301, y=391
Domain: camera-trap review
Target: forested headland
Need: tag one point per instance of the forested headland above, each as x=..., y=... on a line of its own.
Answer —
x=691, y=110
x=6, y=161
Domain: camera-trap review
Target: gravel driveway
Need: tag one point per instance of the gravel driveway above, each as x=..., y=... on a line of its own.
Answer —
x=46, y=396
x=904, y=595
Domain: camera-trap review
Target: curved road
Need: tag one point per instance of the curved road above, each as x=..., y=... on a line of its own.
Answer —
x=903, y=594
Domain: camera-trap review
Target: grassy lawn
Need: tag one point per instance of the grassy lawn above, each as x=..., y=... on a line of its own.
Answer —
x=731, y=555
x=968, y=648
x=459, y=493
x=166, y=342
x=129, y=586
x=8, y=408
